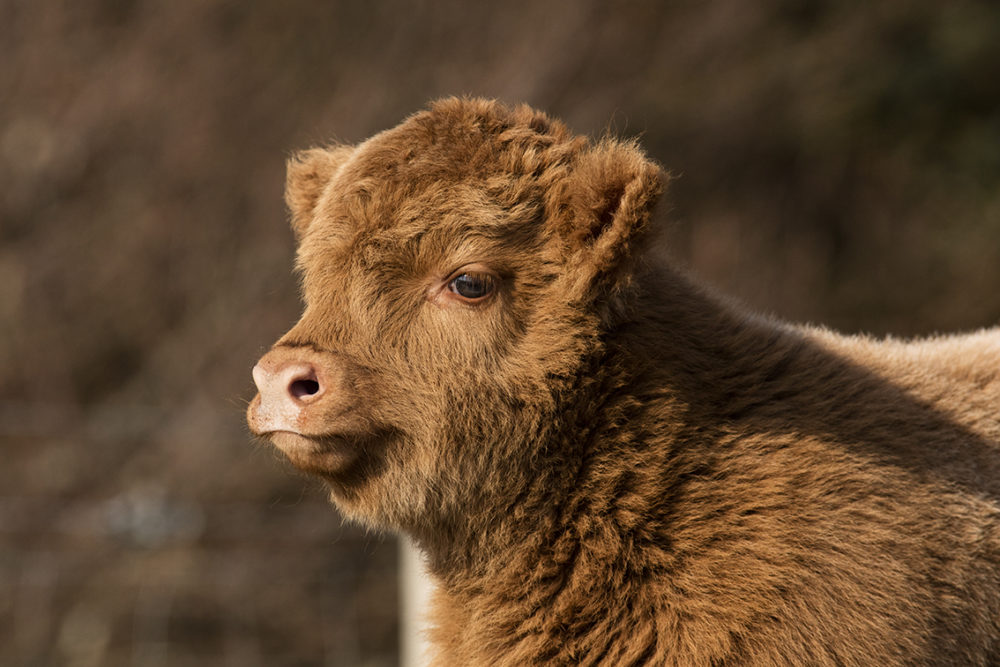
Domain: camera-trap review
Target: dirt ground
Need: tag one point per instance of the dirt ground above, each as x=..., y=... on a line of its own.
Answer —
x=838, y=163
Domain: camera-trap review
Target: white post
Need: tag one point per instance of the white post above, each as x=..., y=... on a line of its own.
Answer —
x=415, y=592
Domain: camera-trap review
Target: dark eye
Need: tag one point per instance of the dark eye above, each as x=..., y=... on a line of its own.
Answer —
x=472, y=286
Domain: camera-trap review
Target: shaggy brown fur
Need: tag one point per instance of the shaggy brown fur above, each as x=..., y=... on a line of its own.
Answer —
x=603, y=462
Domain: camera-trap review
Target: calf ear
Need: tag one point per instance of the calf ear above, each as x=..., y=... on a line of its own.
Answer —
x=609, y=198
x=307, y=175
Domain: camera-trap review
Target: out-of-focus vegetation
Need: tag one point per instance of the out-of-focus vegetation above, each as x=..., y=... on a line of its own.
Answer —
x=837, y=162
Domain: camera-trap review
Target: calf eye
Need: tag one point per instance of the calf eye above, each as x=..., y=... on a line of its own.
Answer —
x=472, y=286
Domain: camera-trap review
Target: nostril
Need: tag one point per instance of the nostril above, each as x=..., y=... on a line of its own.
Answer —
x=301, y=388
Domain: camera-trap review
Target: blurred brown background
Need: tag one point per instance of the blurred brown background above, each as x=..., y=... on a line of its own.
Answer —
x=839, y=162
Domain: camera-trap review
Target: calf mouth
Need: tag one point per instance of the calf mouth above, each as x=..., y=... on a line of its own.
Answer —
x=329, y=453
x=343, y=460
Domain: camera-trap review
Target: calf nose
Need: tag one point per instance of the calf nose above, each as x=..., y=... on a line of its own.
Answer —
x=286, y=390
x=297, y=382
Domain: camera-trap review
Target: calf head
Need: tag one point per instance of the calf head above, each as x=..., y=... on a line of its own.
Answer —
x=457, y=271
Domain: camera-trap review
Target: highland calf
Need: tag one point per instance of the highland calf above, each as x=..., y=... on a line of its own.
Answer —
x=603, y=463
